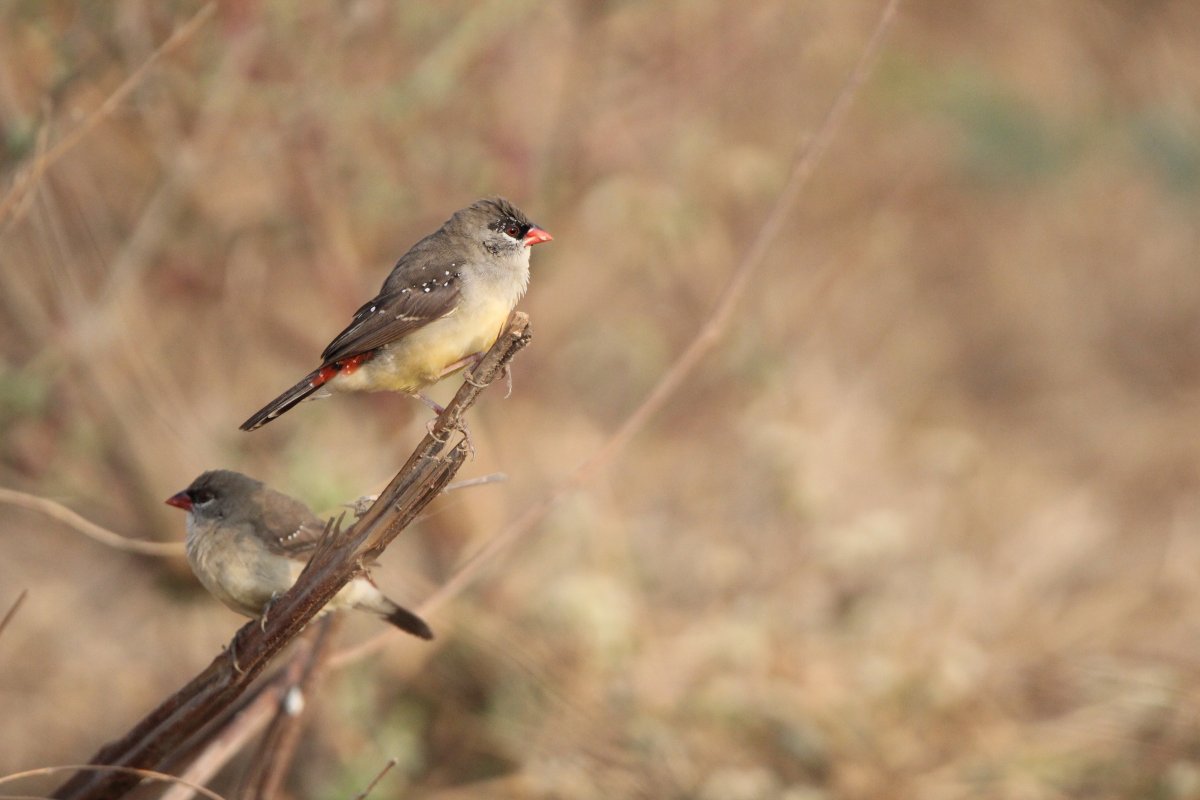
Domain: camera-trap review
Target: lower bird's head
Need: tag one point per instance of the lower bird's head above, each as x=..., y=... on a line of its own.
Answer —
x=216, y=494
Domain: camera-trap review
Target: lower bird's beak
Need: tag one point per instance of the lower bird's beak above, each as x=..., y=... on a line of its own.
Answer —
x=180, y=500
x=535, y=236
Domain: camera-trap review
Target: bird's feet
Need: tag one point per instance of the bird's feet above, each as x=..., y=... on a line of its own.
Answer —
x=262, y=621
x=431, y=425
x=462, y=426
x=232, y=650
x=429, y=428
x=469, y=377
x=428, y=401
x=466, y=432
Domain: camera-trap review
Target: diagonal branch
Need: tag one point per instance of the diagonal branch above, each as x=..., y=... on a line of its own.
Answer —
x=339, y=559
x=208, y=751
x=278, y=745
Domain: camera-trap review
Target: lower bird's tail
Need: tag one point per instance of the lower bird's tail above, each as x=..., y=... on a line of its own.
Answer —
x=375, y=602
x=409, y=622
x=310, y=383
x=363, y=594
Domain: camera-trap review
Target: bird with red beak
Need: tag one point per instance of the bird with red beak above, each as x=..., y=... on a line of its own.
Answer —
x=440, y=309
x=248, y=543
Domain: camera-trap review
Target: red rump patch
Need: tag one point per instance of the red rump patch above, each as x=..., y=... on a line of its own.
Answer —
x=346, y=365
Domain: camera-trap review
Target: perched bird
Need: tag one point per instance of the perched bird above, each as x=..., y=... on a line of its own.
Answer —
x=248, y=543
x=441, y=307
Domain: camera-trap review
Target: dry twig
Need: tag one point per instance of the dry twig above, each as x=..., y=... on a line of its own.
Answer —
x=210, y=750
x=12, y=611
x=375, y=781
x=278, y=745
x=111, y=770
x=104, y=536
x=339, y=558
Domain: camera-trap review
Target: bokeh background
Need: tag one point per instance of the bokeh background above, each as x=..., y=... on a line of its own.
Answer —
x=925, y=524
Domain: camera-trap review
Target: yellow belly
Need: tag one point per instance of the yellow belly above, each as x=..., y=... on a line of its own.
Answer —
x=421, y=358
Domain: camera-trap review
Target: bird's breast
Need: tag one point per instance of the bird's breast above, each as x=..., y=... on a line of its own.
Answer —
x=421, y=358
x=236, y=568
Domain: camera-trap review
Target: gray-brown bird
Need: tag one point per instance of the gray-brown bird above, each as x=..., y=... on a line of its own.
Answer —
x=442, y=306
x=248, y=543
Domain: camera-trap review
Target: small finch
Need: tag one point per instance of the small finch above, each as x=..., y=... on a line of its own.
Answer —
x=248, y=543
x=442, y=306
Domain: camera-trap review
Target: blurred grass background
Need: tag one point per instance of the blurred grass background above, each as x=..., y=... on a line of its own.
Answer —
x=926, y=525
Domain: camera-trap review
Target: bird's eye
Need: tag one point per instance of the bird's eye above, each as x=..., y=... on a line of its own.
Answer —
x=514, y=229
x=202, y=496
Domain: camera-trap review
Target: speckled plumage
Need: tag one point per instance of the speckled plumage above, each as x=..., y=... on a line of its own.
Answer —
x=445, y=301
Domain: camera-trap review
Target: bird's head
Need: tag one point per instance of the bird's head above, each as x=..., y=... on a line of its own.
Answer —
x=215, y=494
x=498, y=227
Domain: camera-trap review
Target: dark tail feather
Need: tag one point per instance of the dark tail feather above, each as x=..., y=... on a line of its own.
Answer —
x=369, y=598
x=311, y=382
x=409, y=622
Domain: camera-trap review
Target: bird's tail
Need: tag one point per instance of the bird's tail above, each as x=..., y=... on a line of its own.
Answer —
x=409, y=622
x=309, y=384
x=362, y=594
x=402, y=618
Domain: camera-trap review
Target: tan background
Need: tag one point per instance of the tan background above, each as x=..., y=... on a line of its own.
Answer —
x=925, y=525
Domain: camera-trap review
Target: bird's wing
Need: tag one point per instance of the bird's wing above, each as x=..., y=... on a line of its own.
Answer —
x=289, y=528
x=300, y=542
x=420, y=296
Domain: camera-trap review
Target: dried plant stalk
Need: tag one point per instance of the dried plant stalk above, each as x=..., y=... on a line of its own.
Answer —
x=339, y=559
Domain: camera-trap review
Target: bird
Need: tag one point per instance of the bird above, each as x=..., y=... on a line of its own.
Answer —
x=248, y=543
x=441, y=307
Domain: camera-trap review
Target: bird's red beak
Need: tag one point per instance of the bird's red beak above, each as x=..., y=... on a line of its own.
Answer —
x=536, y=236
x=180, y=500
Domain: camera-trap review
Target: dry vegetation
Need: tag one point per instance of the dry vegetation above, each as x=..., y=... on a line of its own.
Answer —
x=926, y=525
